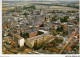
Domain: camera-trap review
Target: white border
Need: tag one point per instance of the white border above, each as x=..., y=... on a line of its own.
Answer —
x=24, y=55
x=0, y=26
x=79, y=26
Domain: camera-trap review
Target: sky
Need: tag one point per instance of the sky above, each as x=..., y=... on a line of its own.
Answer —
x=40, y=0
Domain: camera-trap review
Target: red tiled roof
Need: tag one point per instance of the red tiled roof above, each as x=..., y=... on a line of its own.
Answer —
x=68, y=48
x=77, y=35
x=50, y=44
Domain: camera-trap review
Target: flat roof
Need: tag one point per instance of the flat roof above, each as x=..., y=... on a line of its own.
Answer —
x=18, y=36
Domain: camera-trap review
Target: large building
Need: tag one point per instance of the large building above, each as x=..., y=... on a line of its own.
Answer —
x=19, y=40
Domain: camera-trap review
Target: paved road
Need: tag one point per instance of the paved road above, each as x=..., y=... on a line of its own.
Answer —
x=69, y=40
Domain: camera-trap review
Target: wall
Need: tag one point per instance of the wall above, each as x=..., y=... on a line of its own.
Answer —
x=21, y=42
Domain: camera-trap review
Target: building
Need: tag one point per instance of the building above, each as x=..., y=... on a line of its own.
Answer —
x=19, y=40
x=45, y=32
x=33, y=34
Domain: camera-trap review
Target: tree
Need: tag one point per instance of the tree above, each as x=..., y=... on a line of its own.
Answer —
x=42, y=25
x=75, y=47
x=25, y=35
x=75, y=22
x=53, y=42
x=12, y=10
x=37, y=46
x=60, y=28
x=54, y=19
x=30, y=7
x=54, y=33
x=59, y=40
x=33, y=7
x=39, y=32
x=64, y=19
x=77, y=19
x=65, y=32
x=25, y=14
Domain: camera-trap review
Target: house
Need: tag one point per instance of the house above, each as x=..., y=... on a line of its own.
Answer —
x=32, y=34
x=77, y=35
x=68, y=48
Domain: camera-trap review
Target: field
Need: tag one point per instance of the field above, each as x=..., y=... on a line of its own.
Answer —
x=61, y=8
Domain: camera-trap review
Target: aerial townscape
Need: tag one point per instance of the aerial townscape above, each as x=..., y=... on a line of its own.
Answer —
x=40, y=27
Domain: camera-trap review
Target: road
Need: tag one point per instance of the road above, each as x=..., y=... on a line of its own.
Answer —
x=69, y=40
